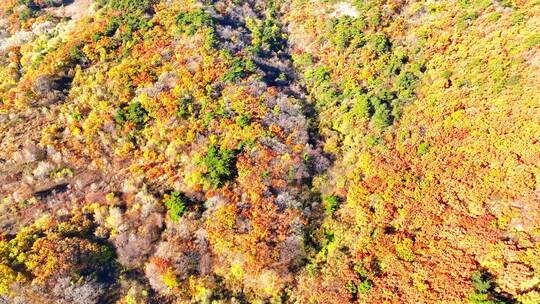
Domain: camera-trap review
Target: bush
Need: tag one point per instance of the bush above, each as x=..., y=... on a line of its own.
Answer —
x=211, y=39
x=50, y=3
x=127, y=5
x=266, y=36
x=119, y=116
x=130, y=23
x=423, y=148
x=8, y=276
x=381, y=118
x=136, y=114
x=365, y=286
x=184, y=107
x=481, y=281
x=239, y=69
x=176, y=205
x=506, y=3
x=376, y=19
x=243, y=120
x=347, y=32
x=517, y=17
x=190, y=22
x=77, y=55
x=331, y=203
x=111, y=27
x=396, y=62
x=134, y=23
x=221, y=166
x=318, y=75
x=481, y=298
x=351, y=287
x=463, y=3
x=326, y=96
x=466, y=19
x=26, y=14
x=372, y=141
x=302, y=60
x=361, y=107
x=380, y=43
x=404, y=250
x=405, y=84
x=484, y=293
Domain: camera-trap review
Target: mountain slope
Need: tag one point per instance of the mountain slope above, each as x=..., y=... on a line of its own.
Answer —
x=269, y=151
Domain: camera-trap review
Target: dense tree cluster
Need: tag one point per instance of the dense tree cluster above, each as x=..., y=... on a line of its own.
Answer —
x=250, y=151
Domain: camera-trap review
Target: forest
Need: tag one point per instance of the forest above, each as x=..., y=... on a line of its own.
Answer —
x=269, y=151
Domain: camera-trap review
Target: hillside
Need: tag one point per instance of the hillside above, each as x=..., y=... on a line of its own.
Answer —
x=250, y=151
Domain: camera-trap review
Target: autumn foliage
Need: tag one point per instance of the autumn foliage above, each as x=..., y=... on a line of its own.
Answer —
x=269, y=151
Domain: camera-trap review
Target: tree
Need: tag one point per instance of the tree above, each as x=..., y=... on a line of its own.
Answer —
x=136, y=114
x=176, y=205
x=190, y=22
x=220, y=166
x=381, y=116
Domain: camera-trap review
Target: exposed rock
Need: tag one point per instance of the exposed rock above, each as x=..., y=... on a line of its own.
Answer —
x=345, y=9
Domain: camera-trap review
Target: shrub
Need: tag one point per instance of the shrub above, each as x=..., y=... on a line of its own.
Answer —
x=365, y=286
x=380, y=43
x=136, y=114
x=480, y=298
x=505, y=3
x=347, y=32
x=211, y=39
x=381, y=117
x=481, y=281
x=77, y=55
x=184, y=107
x=404, y=250
x=61, y=173
x=302, y=60
x=396, y=62
x=405, y=84
x=351, y=287
x=360, y=270
x=376, y=19
x=243, y=120
x=246, y=145
x=494, y=16
x=119, y=116
x=423, y=148
x=483, y=286
x=372, y=141
x=43, y=3
x=134, y=23
x=239, y=69
x=266, y=36
x=111, y=27
x=361, y=107
x=176, y=205
x=463, y=3
x=8, y=276
x=466, y=19
x=517, y=17
x=128, y=5
x=318, y=75
x=26, y=14
x=327, y=96
x=396, y=106
x=221, y=166
x=129, y=23
x=190, y=22
x=331, y=203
